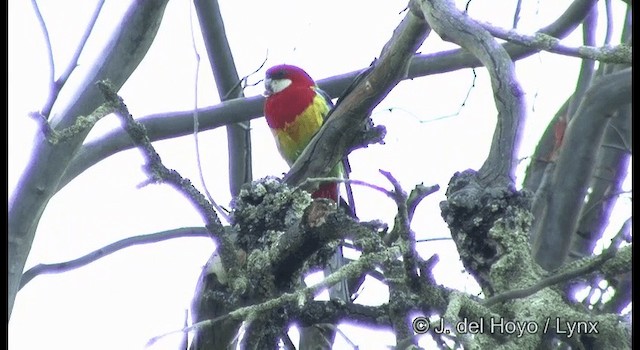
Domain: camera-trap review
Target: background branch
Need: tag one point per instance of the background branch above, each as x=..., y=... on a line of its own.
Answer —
x=575, y=166
x=42, y=269
x=227, y=81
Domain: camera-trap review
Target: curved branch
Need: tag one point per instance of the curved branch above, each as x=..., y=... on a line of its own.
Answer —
x=452, y=25
x=43, y=269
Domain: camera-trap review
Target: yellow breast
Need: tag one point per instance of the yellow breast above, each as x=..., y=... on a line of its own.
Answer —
x=295, y=136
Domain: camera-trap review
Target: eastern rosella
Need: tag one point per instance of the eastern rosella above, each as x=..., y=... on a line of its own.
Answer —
x=295, y=109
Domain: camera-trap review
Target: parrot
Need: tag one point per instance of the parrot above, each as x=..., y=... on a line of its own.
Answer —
x=295, y=109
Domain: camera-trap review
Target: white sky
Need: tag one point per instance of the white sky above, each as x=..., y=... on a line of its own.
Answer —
x=121, y=301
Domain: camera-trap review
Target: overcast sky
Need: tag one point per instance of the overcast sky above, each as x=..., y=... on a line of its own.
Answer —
x=121, y=301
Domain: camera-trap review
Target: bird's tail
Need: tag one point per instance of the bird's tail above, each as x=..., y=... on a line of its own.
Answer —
x=341, y=289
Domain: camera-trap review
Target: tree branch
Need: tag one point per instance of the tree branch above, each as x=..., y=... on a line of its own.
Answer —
x=347, y=120
x=447, y=61
x=589, y=265
x=227, y=80
x=575, y=166
x=453, y=25
x=57, y=85
x=606, y=54
x=52, y=67
x=248, y=312
x=43, y=269
x=612, y=165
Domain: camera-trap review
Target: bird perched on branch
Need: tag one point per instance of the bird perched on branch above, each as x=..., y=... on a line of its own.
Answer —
x=295, y=110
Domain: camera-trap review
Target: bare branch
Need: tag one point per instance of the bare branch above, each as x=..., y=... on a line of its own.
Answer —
x=610, y=171
x=226, y=76
x=52, y=67
x=57, y=86
x=224, y=213
x=416, y=196
x=575, y=166
x=516, y=14
x=447, y=61
x=586, y=74
x=163, y=126
x=42, y=269
x=453, y=25
x=609, y=32
x=311, y=180
x=410, y=258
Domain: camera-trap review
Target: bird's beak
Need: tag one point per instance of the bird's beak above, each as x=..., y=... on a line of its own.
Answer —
x=268, y=89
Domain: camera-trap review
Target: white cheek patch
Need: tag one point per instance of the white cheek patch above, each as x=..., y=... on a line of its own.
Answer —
x=278, y=85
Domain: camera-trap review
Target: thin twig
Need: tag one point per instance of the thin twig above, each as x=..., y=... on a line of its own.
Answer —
x=516, y=14
x=425, y=240
x=609, y=32
x=57, y=85
x=342, y=180
x=245, y=78
x=223, y=212
x=416, y=196
x=402, y=230
x=47, y=42
x=462, y=105
x=42, y=269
